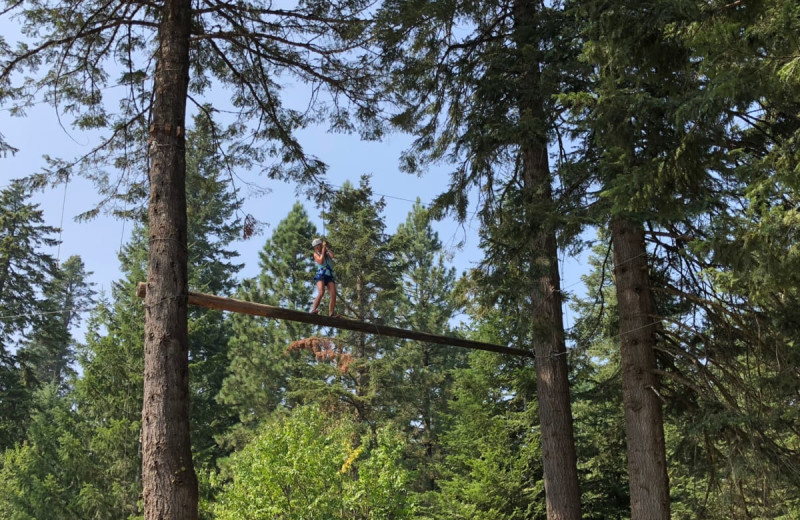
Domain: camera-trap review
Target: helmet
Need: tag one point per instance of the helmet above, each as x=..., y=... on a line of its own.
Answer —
x=316, y=242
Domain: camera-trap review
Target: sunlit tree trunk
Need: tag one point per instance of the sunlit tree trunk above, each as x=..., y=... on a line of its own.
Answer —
x=168, y=477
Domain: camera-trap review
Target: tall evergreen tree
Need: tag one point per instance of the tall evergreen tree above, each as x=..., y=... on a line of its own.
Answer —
x=88, y=455
x=670, y=115
x=165, y=51
x=367, y=288
x=109, y=391
x=477, y=87
x=46, y=476
x=258, y=375
x=491, y=465
x=423, y=371
x=657, y=158
x=211, y=213
x=599, y=415
x=25, y=272
x=747, y=265
x=51, y=351
x=111, y=386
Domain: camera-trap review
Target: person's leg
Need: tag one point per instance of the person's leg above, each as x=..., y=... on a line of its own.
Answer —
x=332, y=293
x=320, y=291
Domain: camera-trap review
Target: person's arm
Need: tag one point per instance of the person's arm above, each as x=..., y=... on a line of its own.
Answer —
x=318, y=257
x=327, y=250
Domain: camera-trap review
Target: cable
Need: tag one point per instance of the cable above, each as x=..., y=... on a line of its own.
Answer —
x=61, y=224
x=43, y=313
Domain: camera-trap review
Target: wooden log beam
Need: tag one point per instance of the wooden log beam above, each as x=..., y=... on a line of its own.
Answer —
x=221, y=303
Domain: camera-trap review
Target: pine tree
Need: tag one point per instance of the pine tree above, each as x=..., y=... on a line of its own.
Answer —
x=25, y=269
x=748, y=271
x=109, y=391
x=166, y=51
x=25, y=272
x=643, y=77
x=211, y=213
x=476, y=88
x=668, y=116
x=367, y=288
x=599, y=416
x=111, y=386
x=423, y=372
x=491, y=464
x=259, y=370
x=45, y=476
x=50, y=354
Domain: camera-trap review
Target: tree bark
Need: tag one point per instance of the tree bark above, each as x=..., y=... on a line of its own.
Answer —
x=644, y=429
x=168, y=478
x=552, y=383
x=559, y=459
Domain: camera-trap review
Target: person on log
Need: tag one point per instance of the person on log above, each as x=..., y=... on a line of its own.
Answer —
x=324, y=277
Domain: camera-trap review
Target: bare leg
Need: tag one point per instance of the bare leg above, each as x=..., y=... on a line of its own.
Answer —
x=332, y=293
x=320, y=292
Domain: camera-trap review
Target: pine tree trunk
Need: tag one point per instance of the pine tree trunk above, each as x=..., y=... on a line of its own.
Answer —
x=552, y=384
x=647, y=469
x=168, y=478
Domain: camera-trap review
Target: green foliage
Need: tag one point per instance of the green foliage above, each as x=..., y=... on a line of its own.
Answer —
x=356, y=231
x=306, y=466
x=51, y=351
x=48, y=475
x=422, y=380
x=597, y=393
x=366, y=280
x=212, y=207
x=257, y=378
x=109, y=392
x=729, y=429
x=25, y=273
x=25, y=269
x=99, y=422
x=492, y=464
x=689, y=124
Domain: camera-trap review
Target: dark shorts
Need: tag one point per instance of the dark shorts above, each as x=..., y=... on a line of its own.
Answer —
x=324, y=278
x=324, y=275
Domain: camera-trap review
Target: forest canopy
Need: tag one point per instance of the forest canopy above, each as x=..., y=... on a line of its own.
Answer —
x=657, y=140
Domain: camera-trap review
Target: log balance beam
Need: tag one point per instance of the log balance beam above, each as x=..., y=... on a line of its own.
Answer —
x=221, y=303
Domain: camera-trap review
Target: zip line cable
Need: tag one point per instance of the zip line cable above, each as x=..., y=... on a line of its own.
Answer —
x=45, y=313
x=61, y=225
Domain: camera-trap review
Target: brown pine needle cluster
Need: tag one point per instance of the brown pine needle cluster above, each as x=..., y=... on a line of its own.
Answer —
x=250, y=226
x=324, y=349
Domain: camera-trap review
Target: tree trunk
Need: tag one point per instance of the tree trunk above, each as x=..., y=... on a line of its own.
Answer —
x=552, y=383
x=644, y=430
x=168, y=478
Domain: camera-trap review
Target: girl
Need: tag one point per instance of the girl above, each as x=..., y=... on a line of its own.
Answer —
x=324, y=278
